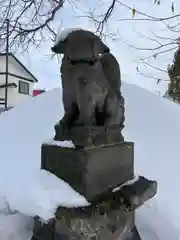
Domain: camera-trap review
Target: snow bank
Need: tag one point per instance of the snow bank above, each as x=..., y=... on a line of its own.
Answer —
x=22, y=183
x=42, y=197
x=15, y=226
x=152, y=123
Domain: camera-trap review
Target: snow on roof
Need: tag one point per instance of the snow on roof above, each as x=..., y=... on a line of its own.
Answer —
x=64, y=34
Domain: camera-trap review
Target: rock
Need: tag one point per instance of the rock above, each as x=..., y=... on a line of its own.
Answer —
x=90, y=171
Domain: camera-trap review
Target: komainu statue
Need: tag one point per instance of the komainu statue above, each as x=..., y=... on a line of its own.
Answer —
x=99, y=164
x=91, y=82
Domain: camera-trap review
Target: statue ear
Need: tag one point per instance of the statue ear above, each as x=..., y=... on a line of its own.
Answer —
x=100, y=46
x=60, y=47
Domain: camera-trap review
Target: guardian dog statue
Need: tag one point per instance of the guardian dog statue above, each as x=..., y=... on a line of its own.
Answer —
x=90, y=80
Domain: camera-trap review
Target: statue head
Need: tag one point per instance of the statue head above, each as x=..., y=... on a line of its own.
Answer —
x=80, y=45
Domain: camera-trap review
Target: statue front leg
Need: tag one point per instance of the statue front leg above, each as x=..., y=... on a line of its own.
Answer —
x=64, y=125
x=71, y=111
x=114, y=107
x=114, y=119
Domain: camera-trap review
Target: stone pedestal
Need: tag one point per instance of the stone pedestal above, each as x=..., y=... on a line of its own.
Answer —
x=87, y=225
x=90, y=171
x=84, y=136
x=101, y=165
x=110, y=217
x=102, y=170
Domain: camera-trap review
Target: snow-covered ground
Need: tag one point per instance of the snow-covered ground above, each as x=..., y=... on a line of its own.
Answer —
x=152, y=123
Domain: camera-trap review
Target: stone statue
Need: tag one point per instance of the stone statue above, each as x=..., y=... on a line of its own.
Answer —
x=91, y=83
x=100, y=164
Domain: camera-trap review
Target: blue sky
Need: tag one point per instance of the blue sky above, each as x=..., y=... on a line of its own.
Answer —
x=46, y=69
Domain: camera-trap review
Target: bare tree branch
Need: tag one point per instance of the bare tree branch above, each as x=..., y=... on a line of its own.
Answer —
x=147, y=17
x=162, y=37
x=32, y=20
x=28, y=20
x=152, y=66
x=107, y=15
x=152, y=48
x=159, y=53
x=158, y=80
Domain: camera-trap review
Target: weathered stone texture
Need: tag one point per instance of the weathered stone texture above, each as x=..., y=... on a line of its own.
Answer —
x=90, y=171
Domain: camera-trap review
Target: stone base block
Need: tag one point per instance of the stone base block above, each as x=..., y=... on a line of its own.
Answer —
x=97, y=228
x=92, y=223
x=132, y=235
x=90, y=171
x=89, y=135
x=112, y=217
x=43, y=231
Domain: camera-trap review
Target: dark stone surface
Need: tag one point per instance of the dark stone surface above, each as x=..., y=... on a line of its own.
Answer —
x=105, y=219
x=101, y=160
x=80, y=45
x=90, y=171
x=43, y=231
x=139, y=192
x=112, y=227
x=96, y=224
x=115, y=200
x=91, y=82
x=88, y=97
x=84, y=136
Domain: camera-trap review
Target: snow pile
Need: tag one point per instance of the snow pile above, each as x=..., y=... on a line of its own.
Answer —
x=65, y=144
x=152, y=123
x=26, y=188
x=64, y=34
x=44, y=194
x=15, y=227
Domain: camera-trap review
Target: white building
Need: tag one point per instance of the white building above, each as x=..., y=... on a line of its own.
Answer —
x=20, y=81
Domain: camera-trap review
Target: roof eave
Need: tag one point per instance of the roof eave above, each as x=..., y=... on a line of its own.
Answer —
x=12, y=55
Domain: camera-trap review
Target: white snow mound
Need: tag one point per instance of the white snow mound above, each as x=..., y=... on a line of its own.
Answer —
x=152, y=123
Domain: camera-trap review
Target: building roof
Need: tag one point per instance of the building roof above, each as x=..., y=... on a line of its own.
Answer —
x=8, y=85
x=20, y=63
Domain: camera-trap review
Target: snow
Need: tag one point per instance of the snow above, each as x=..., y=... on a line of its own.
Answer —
x=63, y=144
x=129, y=182
x=23, y=187
x=64, y=34
x=42, y=197
x=151, y=122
